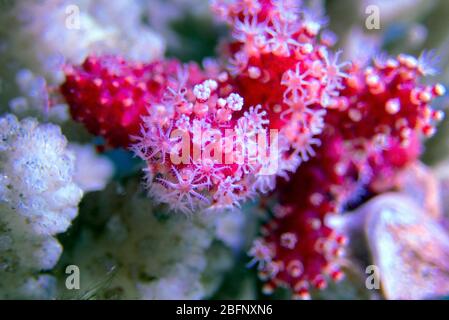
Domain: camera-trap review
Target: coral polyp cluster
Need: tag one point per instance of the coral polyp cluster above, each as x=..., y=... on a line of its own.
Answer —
x=371, y=133
x=200, y=152
x=277, y=60
x=279, y=77
x=110, y=95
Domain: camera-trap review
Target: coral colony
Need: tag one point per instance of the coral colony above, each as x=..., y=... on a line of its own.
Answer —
x=279, y=116
x=343, y=129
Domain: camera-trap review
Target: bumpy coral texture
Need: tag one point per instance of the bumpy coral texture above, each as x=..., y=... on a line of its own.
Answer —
x=277, y=59
x=345, y=129
x=371, y=133
x=145, y=254
x=34, y=99
x=185, y=124
x=50, y=32
x=285, y=74
x=38, y=200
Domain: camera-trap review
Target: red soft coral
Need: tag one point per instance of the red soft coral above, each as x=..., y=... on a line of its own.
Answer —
x=364, y=145
x=277, y=60
x=202, y=147
x=110, y=95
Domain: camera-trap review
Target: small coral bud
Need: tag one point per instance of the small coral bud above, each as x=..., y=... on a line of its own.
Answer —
x=312, y=28
x=295, y=268
x=438, y=115
x=338, y=252
x=234, y=102
x=439, y=90
x=98, y=82
x=211, y=84
x=355, y=115
x=261, y=251
x=372, y=80
x=405, y=133
x=408, y=61
x=128, y=102
x=341, y=240
x=223, y=77
x=282, y=211
x=316, y=199
x=254, y=72
x=393, y=106
x=392, y=63
x=328, y=38
x=289, y=240
x=319, y=282
x=201, y=92
x=428, y=131
x=277, y=108
x=414, y=96
x=337, y=275
x=314, y=223
x=425, y=96
x=302, y=294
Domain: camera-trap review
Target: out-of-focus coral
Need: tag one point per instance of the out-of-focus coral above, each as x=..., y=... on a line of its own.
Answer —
x=53, y=32
x=441, y=171
x=424, y=185
x=405, y=232
x=370, y=135
x=47, y=34
x=38, y=200
x=147, y=253
x=409, y=247
x=92, y=171
x=34, y=99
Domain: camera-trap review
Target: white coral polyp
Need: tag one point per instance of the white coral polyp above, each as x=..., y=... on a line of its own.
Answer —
x=38, y=198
